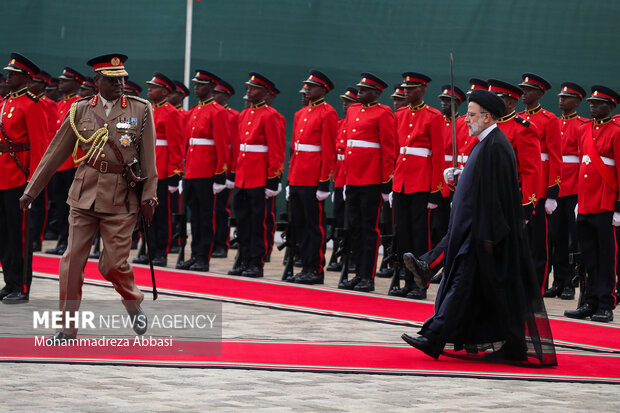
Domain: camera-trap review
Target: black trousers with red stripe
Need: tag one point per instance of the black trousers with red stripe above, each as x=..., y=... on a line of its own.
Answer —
x=12, y=241
x=598, y=249
x=222, y=220
x=175, y=204
x=250, y=209
x=363, y=206
x=200, y=202
x=270, y=222
x=440, y=217
x=338, y=211
x=309, y=226
x=563, y=230
x=411, y=217
x=539, y=242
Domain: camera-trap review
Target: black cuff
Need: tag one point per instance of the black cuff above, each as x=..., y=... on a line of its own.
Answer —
x=220, y=178
x=435, y=197
x=174, y=180
x=617, y=206
x=272, y=183
x=386, y=187
x=553, y=191
x=528, y=210
x=323, y=186
x=231, y=176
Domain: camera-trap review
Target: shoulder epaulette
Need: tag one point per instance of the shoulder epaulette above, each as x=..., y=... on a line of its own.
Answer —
x=432, y=110
x=385, y=107
x=613, y=121
x=522, y=121
x=402, y=108
x=582, y=120
x=139, y=99
x=548, y=114
x=32, y=96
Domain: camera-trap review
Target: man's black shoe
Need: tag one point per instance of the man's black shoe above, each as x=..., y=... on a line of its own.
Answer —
x=219, y=253
x=139, y=321
x=554, y=291
x=59, y=339
x=400, y=292
x=334, y=266
x=417, y=293
x=309, y=278
x=582, y=312
x=141, y=259
x=365, y=285
x=3, y=293
x=16, y=297
x=184, y=265
x=349, y=284
x=602, y=316
x=160, y=261
x=36, y=246
x=384, y=273
x=506, y=353
x=253, y=271
x=238, y=270
x=429, y=347
x=421, y=273
x=568, y=293
x=199, y=264
x=58, y=250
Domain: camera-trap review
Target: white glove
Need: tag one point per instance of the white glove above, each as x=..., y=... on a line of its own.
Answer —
x=344, y=193
x=180, y=186
x=450, y=173
x=230, y=184
x=616, y=220
x=430, y=205
x=269, y=193
x=550, y=206
x=217, y=188
x=576, y=210
x=172, y=189
x=322, y=195
x=391, y=198
x=287, y=191
x=385, y=197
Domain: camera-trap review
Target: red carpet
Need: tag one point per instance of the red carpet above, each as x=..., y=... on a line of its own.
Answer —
x=332, y=357
x=321, y=300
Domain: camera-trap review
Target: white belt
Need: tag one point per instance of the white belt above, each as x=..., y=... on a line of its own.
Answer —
x=544, y=157
x=340, y=157
x=362, y=144
x=201, y=141
x=570, y=159
x=161, y=142
x=407, y=150
x=253, y=148
x=607, y=161
x=460, y=158
x=302, y=147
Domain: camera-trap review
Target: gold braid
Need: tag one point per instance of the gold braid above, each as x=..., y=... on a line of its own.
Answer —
x=97, y=140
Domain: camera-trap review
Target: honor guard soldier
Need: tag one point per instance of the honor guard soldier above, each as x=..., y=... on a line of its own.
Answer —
x=475, y=83
x=52, y=92
x=548, y=126
x=368, y=168
x=23, y=138
x=563, y=227
x=88, y=88
x=132, y=88
x=169, y=149
x=398, y=97
x=418, y=176
x=259, y=167
x=524, y=139
x=205, y=167
x=178, y=95
x=117, y=136
x=313, y=154
x=222, y=93
x=70, y=82
x=349, y=97
x=599, y=205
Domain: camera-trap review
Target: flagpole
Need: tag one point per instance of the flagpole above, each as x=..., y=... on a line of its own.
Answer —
x=188, y=46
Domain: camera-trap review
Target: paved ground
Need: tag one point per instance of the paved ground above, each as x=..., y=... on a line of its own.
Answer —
x=31, y=387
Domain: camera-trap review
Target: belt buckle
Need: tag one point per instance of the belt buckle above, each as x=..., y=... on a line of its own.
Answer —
x=350, y=143
x=586, y=159
x=103, y=167
x=297, y=146
x=191, y=141
x=245, y=147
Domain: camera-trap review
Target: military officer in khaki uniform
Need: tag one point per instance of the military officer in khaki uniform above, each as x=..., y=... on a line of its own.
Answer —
x=117, y=135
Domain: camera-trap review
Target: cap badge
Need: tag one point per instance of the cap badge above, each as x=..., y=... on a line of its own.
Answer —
x=595, y=93
x=363, y=79
x=115, y=61
x=527, y=79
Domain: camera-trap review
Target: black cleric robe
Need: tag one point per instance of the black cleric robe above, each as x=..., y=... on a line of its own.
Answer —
x=489, y=294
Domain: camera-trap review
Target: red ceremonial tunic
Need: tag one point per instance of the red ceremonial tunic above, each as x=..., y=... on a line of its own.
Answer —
x=169, y=146
x=341, y=146
x=464, y=145
x=571, y=133
x=64, y=105
x=232, y=136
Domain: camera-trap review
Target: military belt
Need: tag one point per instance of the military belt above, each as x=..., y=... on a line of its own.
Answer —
x=106, y=167
x=14, y=147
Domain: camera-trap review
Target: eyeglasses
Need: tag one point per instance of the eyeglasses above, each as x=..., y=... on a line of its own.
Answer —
x=473, y=114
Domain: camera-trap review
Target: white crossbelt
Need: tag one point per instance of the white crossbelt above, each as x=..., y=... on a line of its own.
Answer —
x=253, y=148
x=544, y=157
x=302, y=147
x=340, y=157
x=407, y=150
x=460, y=158
x=201, y=141
x=570, y=159
x=607, y=161
x=362, y=144
x=161, y=142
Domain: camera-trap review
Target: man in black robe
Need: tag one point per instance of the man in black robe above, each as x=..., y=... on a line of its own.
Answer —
x=489, y=296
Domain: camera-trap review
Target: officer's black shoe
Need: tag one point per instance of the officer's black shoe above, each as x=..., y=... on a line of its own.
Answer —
x=95, y=255
x=365, y=285
x=160, y=261
x=400, y=292
x=554, y=291
x=568, y=293
x=59, y=339
x=334, y=266
x=16, y=297
x=184, y=265
x=3, y=293
x=437, y=278
x=238, y=270
x=199, y=265
x=291, y=277
x=580, y=313
x=421, y=273
x=428, y=346
x=310, y=278
x=36, y=246
x=219, y=253
x=349, y=284
x=384, y=273
x=58, y=250
x=602, y=316
x=253, y=271
x=507, y=353
x=174, y=249
x=417, y=293
x=141, y=259
x=139, y=321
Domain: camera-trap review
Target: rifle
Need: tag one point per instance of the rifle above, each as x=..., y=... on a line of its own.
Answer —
x=579, y=276
x=397, y=260
x=343, y=234
x=288, y=242
x=180, y=226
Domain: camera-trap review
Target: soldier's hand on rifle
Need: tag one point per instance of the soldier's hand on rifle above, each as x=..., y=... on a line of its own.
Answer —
x=322, y=195
x=449, y=175
x=25, y=201
x=147, y=210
